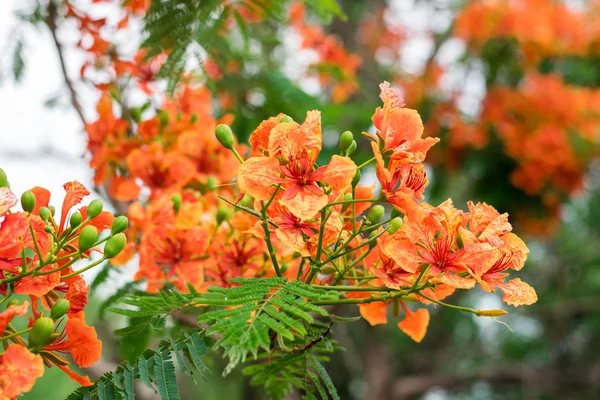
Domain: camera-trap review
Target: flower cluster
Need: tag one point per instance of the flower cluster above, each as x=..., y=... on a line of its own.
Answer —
x=37, y=253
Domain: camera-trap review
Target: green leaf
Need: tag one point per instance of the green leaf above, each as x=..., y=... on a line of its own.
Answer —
x=164, y=370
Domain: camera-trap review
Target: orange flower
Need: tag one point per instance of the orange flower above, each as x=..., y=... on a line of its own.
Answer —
x=292, y=150
x=415, y=323
x=80, y=340
x=19, y=370
x=12, y=311
x=75, y=193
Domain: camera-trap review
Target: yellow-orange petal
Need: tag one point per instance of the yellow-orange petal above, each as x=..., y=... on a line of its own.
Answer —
x=19, y=370
x=259, y=139
x=305, y=204
x=375, y=313
x=518, y=293
x=38, y=285
x=415, y=324
x=257, y=175
x=339, y=172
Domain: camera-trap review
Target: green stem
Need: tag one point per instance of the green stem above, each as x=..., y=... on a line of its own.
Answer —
x=12, y=335
x=441, y=303
x=92, y=265
x=366, y=163
x=265, y=225
x=354, y=288
x=237, y=155
x=363, y=300
x=352, y=201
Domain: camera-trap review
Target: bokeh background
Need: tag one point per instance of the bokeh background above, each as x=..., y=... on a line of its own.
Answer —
x=511, y=87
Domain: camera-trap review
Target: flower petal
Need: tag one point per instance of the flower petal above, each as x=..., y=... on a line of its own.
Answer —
x=257, y=175
x=19, y=370
x=518, y=293
x=415, y=324
x=339, y=172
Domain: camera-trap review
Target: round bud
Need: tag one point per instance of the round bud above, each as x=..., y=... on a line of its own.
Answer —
x=87, y=237
x=119, y=225
x=211, y=183
x=13, y=302
x=75, y=219
x=95, y=208
x=114, y=245
x=52, y=210
x=40, y=332
x=348, y=197
x=356, y=179
x=224, y=136
x=346, y=140
x=246, y=201
x=376, y=213
x=60, y=308
x=28, y=201
x=163, y=118
x=45, y=213
x=3, y=179
x=351, y=149
x=47, y=229
x=176, y=199
x=372, y=241
x=286, y=118
x=394, y=225
x=396, y=213
x=223, y=213
x=194, y=118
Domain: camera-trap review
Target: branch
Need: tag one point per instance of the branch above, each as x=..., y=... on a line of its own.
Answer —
x=52, y=17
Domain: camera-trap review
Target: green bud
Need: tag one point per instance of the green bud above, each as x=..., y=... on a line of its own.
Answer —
x=224, y=136
x=372, y=241
x=87, y=237
x=348, y=197
x=3, y=179
x=396, y=213
x=376, y=213
x=286, y=118
x=351, y=149
x=13, y=302
x=223, y=213
x=193, y=118
x=356, y=179
x=41, y=331
x=95, y=208
x=346, y=140
x=211, y=182
x=395, y=225
x=47, y=229
x=163, y=118
x=176, y=199
x=246, y=201
x=60, y=308
x=45, y=213
x=75, y=219
x=115, y=245
x=119, y=225
x=28, y=201
x=52, y=210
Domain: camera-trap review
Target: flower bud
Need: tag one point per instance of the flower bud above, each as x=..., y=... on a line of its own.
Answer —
x=395, y=225
x=75, y=219
x=28, y=201
x=396, y=213
x=351, y=149
x=47, y=229
x=176, y=199
x=246, y=201
x=60, y=308
x=119, y=225
x=211, y=183
x=356, y=179
x=194, y=118
x=41, y=331
x=491, y=313
x=376, y=213
x=52, y=210
x=286, y=118
x=45, y=213
x=223, y=213
x=346, y=140
x=95, y=208
x=3, y=179
x=115, y=245
x=163, y=118
x=224, y=136
x=372, y=241
x=13, y=302
x=87, y=237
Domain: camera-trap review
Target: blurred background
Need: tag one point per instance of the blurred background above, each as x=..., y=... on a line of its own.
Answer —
x=512, y=88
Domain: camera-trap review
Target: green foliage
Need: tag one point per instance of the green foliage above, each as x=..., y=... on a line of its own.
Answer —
x=155, y=369
x=261, y=313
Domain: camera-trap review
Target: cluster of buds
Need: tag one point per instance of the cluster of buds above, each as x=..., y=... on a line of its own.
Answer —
x=38, y=251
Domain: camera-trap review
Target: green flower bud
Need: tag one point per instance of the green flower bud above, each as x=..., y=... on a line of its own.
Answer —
x=13, y=302
x=372, y=241
x=163, y=118
x=176, y=199
x=119, y=225
x=376, y=213
x=95, y=208
x=40, y=333
x=351, y=149
x=396, y=213
x=223, y=213
x=224, y=136
x=394, y=225
x=348, y=197
x=346, y=140
x=246, y=201
x=47, y=229
x=75, y=219
x=3, y=179
x=45, y=213
x=28, y=201
x=193, y=118
x=115, y=245
x=52, y=210
x=356, y=179
x=60, y=308
x=286, y=118
x=211, y=182
x=87, y=237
